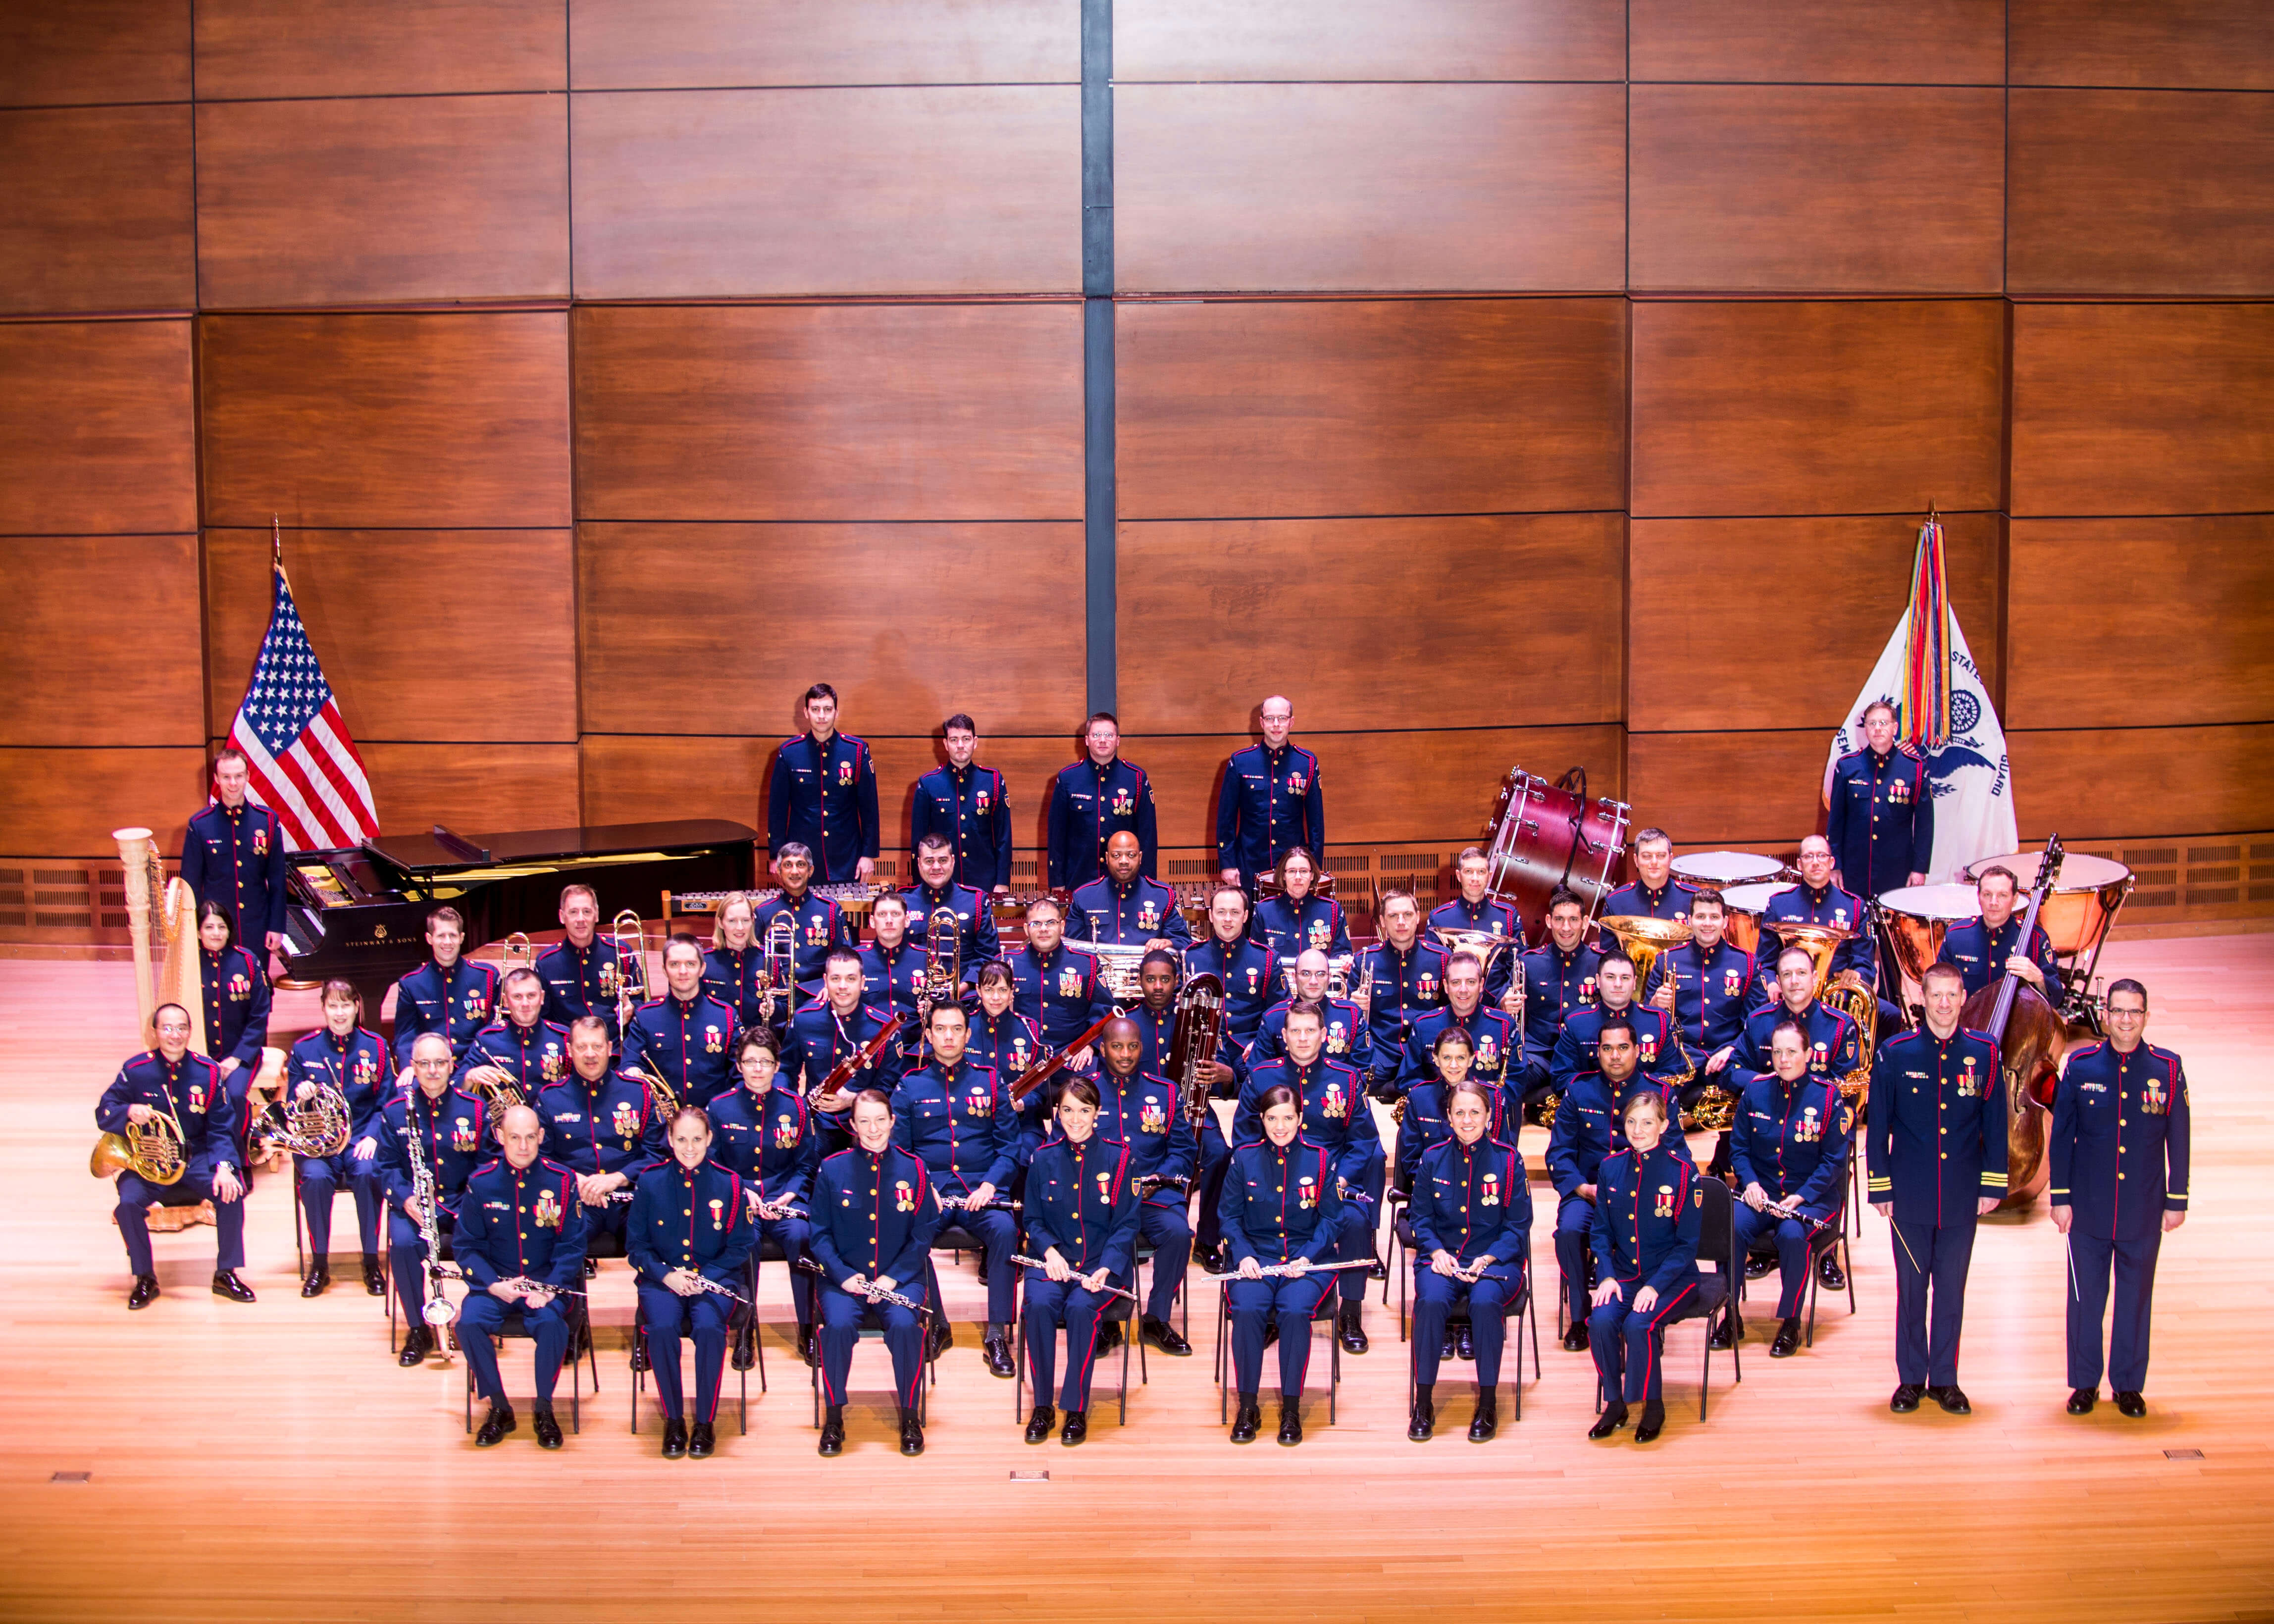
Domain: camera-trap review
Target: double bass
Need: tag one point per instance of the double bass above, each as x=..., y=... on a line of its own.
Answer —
x=2032, y=1037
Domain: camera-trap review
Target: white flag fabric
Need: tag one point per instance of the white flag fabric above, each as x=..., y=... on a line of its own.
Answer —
x=1971, y=776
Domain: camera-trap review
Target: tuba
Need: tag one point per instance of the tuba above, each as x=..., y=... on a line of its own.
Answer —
x=1644, y=939
x=1193, y=1041
x=1844, y=992
x=1480, y=944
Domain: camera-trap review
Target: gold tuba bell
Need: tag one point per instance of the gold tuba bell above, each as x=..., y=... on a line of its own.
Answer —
x=1644, y=939
x=1482, y=944
x=1844, y=992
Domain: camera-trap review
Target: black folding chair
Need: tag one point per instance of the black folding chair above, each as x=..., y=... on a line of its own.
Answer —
x=873, y=1328
x=737, y=1317
x=1329, y=1308
x=1118, y=1311
x=1716, y=1302
x=578, y=1309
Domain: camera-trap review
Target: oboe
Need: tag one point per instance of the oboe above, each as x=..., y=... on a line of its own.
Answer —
x=1111, y=1290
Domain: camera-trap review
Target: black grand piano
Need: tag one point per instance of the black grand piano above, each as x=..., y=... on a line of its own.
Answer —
x=361, y=912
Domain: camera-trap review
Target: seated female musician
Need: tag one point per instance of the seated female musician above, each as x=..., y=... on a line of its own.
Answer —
x=1081, y=1220
x=1646, y=1216
x=1421, y=1124
x=235, y=994
x=1789, y=1146
x=1295, y=918
x=1000, y=1036
x=343, y=1056
x=767, y=1136
x=1472, y=1222
x=1280, y=1210
x=688, y=1235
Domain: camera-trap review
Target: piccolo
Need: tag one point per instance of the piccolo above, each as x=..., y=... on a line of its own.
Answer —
x=870, y=1289
x=1110, y=1291
x=1282, y=1270
x=524, y=1283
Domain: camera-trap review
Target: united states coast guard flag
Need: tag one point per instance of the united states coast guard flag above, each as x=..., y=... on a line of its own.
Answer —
x=1941, y=708
x=301, y=764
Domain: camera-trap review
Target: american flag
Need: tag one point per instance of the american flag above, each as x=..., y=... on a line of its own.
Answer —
x=304, y=767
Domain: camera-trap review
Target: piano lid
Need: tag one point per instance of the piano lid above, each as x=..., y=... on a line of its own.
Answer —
x=424, y=854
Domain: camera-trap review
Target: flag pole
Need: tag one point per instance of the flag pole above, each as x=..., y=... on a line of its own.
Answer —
x=276, y=541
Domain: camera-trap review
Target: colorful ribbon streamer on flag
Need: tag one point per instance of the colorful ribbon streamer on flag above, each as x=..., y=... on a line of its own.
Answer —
x=1926, y=652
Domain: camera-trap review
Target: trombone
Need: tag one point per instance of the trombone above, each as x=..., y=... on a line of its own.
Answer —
x=777, y=964
x=627, y=934
x=943, y=955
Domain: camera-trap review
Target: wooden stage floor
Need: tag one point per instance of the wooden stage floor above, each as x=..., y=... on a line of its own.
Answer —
x=271, y=1462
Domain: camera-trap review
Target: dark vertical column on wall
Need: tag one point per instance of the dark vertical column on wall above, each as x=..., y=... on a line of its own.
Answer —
x=1097, y=342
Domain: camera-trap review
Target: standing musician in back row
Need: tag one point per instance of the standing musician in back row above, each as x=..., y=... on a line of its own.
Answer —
x=969, y=806
x=1271, y=802
x=1653, y=894
x=2119, y=1153
x=1983, y=949
x=1403, y=978
x=1093, y=799
x=450, y=994
x=1936, y=1129
x=1122, y=909
x=580, y=970
x=233, y=854
x=823, y=795
x=170, y=1081
x=817, y=924
x=520, y=1240
x=345, y=1057
x=1880, y=810
x=1475, y=909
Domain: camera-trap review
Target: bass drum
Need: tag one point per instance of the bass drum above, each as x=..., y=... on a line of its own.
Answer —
x=1745, y=905
x=1912, y=923
x=1544, y=834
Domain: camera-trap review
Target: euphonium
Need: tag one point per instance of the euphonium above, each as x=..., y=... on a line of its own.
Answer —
x=1482, y=944
x=153, y=1150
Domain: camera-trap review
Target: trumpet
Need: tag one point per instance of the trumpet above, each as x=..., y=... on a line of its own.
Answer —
x=627, y=934
x=152, y=1151
x=777, y=964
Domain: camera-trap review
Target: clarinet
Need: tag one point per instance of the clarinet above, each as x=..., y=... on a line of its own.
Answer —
x=438, y=1309
x=870, y=1289
x=522, y=1282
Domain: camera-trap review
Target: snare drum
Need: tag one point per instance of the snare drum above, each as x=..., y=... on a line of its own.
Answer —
x=1912, y=924
x=1720, y=870
x=2080, y=908
x=1746, y=904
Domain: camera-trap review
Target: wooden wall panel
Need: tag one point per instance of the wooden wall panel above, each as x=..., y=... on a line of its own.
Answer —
x=1750, y=790
x=1372, y=623
x=1370, y=186
x=1827, y=408
x=66, y=802
x=424, y=634
x=103, y=645
x=864, y=411
x=98, y=211
x=1424, y=39
x=909, y=623
x=1769, y=623
x=1243, y=410
x=2142, y=191
x=349, y=47
x=2143, y=408
x=878, y=190
x=391, y=198
x=2070, y=781
x=473, y=789
x=411, y=420
x=94, y=50
x=1861, y=188
x=670, y=45
x=97, y=428
x=2126, y=622
x=1819, y=42
x=2185, y=44
x=1383, y=785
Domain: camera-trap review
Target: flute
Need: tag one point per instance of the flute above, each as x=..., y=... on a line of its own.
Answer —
x=1282, y=1270
x=870, y=1289
x=1111, y=1290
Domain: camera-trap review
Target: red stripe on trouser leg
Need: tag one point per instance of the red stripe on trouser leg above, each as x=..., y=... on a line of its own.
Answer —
x=1651, y=1352
x=1081, y=1382
x=1303, y=1370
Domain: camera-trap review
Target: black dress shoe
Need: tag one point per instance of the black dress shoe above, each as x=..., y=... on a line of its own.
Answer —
x=639, y=1353
x=1574, y=1340
x=2132, y=1404
x=1379, y=1271
x=675, y=1438
x=1725, y=1333
x=1466, y=1340
x=1906, y=1398
x=592, y=1269
x=911, y=1434
x=1347, y=1328
x=1788, y=1339
x=808, y=1347
x=1486, y=1422
x=2081, y=1399
x=701, y=1442
x=1077, y=1428
x=1828, y=1271
x=1449, y=1346
x=1041, y=1424
x=145, y=1292
x=1166, y=1337
x=374, y=1279
x=1653, y=1422
x=1756, y=1265
x=833, y=1430
x=1423, y=1426
x=746, y=1347
x=1248, y=1420
x=1290, y=1420
x=314, y=1284
x=547, y=1430
x=1614, y=1418
x=1952, y=1399
x=1108, y=1336
x=418, y=1343
x=943, y=1337
x=996, y=1351
x=495, y=1425
x=227, y=1284
x=1271, y=1331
